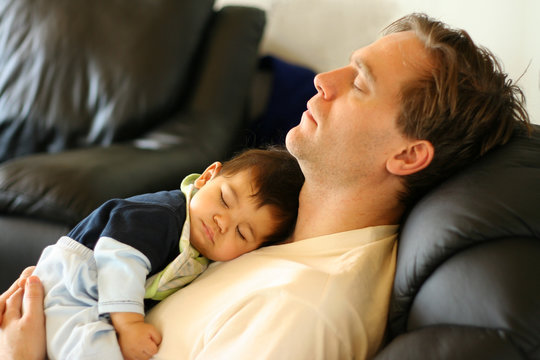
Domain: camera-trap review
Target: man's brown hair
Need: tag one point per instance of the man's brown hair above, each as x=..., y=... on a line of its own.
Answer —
x=465, y=105
x=277, y=180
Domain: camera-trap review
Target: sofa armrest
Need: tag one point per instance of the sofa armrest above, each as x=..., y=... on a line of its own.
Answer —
x=65, y=187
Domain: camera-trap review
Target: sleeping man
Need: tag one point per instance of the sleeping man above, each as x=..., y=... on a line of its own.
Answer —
x=392, y=123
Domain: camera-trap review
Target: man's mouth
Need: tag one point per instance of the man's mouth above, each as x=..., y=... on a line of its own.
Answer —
x=309, y=114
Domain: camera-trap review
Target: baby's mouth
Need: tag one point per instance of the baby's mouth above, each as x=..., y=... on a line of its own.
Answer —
x=209, y=233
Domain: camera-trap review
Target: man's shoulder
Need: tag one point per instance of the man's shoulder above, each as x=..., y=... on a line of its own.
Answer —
x=339, y=241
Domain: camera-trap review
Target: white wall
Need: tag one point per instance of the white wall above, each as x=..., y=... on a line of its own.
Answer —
x=321, y=34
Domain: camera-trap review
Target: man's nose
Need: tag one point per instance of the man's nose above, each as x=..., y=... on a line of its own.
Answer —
x=325, y=83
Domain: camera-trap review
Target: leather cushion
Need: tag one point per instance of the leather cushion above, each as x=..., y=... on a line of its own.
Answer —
x=451, y=342
x=497, y=197
x=79, y=72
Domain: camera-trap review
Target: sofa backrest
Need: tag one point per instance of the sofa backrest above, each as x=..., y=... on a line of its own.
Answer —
x=469, y=254
x=77, y=72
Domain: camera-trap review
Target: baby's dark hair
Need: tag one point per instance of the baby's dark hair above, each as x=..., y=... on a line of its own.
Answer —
x=277, y=179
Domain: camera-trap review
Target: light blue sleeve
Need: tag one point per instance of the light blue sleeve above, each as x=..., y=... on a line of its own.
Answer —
x=122, y=272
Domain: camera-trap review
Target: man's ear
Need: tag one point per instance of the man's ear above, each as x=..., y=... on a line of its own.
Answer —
x=208, y=174
x=415, y=157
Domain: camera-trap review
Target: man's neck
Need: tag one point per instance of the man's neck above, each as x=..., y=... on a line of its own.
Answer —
x=327, y=210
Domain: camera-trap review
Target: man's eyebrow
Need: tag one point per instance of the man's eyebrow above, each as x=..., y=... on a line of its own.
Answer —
x=365, y=69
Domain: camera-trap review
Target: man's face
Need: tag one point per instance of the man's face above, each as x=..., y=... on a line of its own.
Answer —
x=349, y=127
x=225, y=219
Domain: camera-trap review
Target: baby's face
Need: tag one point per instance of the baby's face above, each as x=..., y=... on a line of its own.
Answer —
x=225, y=220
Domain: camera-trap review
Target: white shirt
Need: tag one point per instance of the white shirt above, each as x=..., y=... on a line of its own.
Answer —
x=320, y=298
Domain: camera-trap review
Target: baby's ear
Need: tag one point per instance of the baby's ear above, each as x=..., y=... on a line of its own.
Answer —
x=415, y=157
x=211, y=172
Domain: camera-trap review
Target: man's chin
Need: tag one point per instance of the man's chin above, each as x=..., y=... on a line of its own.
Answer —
x=299, y=149
x=293, y=142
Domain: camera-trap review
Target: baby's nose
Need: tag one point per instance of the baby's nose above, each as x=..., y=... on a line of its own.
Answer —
x=221, y=223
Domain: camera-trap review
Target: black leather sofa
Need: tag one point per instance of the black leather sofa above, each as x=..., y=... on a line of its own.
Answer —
x=467, y=284
x=103, y=99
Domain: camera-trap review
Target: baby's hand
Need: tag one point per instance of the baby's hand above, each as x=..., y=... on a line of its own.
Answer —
x=138, y=340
